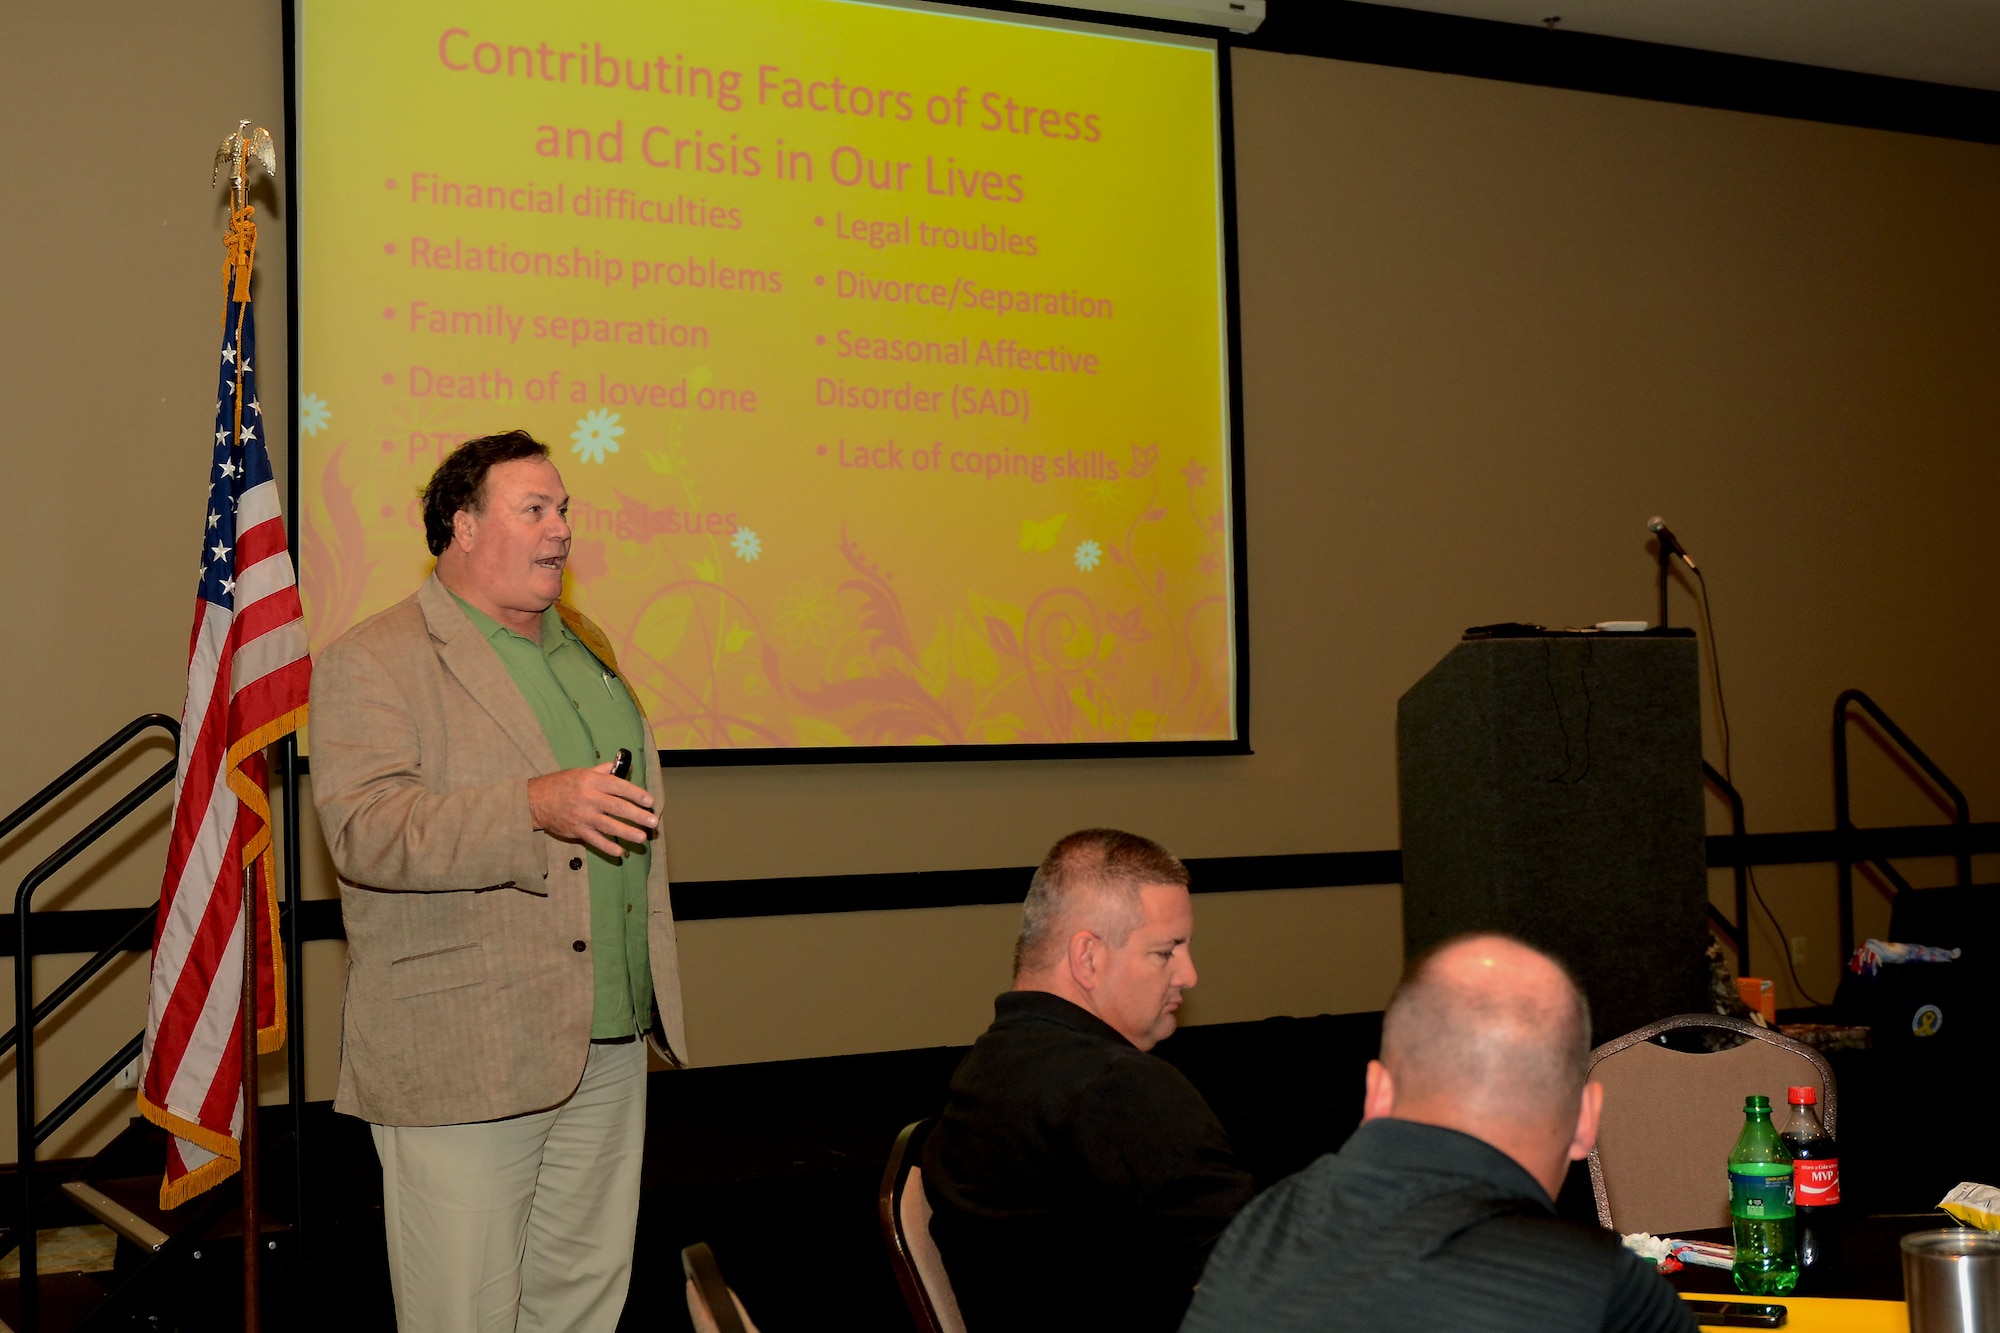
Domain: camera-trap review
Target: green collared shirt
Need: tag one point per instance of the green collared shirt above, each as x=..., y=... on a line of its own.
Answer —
x=589, y=716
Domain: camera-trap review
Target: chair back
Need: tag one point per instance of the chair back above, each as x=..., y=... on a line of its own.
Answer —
x=905, y=1215
x=712, y=1306
x=1671, y=1118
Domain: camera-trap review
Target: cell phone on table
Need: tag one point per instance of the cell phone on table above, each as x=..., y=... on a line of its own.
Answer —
x=621, y=767
x=1736, y=1314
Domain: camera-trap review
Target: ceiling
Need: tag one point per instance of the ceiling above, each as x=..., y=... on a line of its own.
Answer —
x=1937, y=41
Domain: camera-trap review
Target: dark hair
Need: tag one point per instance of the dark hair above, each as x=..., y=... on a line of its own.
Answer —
x=1105, y=863
x=460, y=481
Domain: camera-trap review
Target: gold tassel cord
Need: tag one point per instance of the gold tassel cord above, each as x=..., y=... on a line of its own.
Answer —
x=239, y=251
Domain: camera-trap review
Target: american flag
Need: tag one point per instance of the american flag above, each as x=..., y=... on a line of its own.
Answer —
x=248, y=678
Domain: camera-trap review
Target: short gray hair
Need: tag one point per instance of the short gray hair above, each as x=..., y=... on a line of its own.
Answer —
x=1098, y=868
x=1509, y=1048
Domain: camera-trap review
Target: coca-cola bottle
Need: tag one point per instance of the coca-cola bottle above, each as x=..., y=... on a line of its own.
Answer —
x=1815, y=1181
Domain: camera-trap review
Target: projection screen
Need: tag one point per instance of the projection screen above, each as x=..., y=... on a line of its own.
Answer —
x=884, y=349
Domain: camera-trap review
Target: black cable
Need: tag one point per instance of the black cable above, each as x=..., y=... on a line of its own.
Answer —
x=1555, y=702
x=1583, y=679
x=1729, y=776
x=1589, y=704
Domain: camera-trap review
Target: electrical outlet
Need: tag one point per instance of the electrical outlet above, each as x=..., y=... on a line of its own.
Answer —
x=128, y=1077
x=1798, y=951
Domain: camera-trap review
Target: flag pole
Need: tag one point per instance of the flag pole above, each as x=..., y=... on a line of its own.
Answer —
x=243, y=147
x=252, y=1233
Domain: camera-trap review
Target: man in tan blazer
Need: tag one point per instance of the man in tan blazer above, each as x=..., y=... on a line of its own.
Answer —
x=508, y=928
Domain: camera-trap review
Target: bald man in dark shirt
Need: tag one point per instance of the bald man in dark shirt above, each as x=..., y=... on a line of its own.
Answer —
x=1437, y=1213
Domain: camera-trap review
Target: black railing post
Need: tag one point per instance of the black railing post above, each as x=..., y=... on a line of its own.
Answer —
x=24, y=1109
x=295, y=985
x=1843, y=828
x=1843, y=822
x=1740, y=932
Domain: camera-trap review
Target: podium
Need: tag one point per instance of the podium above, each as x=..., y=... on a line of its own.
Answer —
x=1551, y=788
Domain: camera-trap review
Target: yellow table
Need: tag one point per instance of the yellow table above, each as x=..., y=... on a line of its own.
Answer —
x=1817, y=1314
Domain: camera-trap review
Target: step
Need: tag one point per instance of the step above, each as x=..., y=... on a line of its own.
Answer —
x=131, y=1207
x=67, y=1300
x=101, y=1201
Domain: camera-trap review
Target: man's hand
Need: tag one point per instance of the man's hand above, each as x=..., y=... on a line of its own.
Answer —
x=589, y=806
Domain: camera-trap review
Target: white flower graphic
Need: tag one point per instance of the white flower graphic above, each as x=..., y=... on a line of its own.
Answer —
x=596, y=435
x=314, y=414
x=1088, y=553
x=746, y=545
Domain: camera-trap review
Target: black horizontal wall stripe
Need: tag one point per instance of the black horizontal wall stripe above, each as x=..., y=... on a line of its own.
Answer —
x=1816, y=846
x=86, y=931
x=708, y=900
x=1585, y=62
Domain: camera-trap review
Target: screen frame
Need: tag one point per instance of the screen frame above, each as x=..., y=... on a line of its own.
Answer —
x=764, y=756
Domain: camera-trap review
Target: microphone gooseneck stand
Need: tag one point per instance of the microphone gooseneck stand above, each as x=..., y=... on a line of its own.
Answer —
x=1666, y=556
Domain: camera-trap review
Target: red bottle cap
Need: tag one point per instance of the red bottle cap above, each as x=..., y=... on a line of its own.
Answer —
x=1802, y=1096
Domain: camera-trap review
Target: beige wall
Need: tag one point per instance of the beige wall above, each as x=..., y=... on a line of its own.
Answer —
x=110, y=302
x=1487, y=330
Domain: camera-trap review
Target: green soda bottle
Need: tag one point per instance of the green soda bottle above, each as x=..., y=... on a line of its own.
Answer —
x=1760, y=1206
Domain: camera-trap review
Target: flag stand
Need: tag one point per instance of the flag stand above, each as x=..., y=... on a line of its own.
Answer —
x=249, y=655
x=252, y=1232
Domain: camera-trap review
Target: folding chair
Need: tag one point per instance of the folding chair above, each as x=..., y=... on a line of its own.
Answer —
x=1671, y=1117
x=906, y=1229
x=711, y=1304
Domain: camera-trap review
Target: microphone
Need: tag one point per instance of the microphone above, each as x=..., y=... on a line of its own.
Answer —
x=1668, y=542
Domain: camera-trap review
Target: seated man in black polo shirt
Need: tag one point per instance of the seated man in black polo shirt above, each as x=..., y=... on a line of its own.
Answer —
x=1076, y=1181
x=1437, y=1213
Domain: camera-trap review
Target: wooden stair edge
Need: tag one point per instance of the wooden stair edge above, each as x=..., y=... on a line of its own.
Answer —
x=115, y=1215
x=214, y=1216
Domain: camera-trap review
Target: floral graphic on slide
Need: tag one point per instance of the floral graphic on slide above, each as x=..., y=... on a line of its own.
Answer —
x=314, y=414
x=596, y=435
x=745, y=544
x=1129, y=659
x=335, y=553
x=1088, y=553
x=808, y=615
x=1041, y=536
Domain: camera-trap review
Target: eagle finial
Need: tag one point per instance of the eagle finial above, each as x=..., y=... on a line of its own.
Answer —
x=241, y=152
x=265, y=154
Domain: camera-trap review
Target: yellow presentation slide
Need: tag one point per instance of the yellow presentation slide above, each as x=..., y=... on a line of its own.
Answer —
x=882, y=348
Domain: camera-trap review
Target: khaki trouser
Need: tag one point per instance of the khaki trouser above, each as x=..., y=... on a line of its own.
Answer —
x=523, y=1225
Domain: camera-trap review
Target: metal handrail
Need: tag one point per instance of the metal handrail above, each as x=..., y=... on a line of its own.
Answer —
x=1888, y=871
x=89, y=1088
x=1738, y=931
x=30, y=1133
x=29, y=808
x=76, y=980
x=1843, y=822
